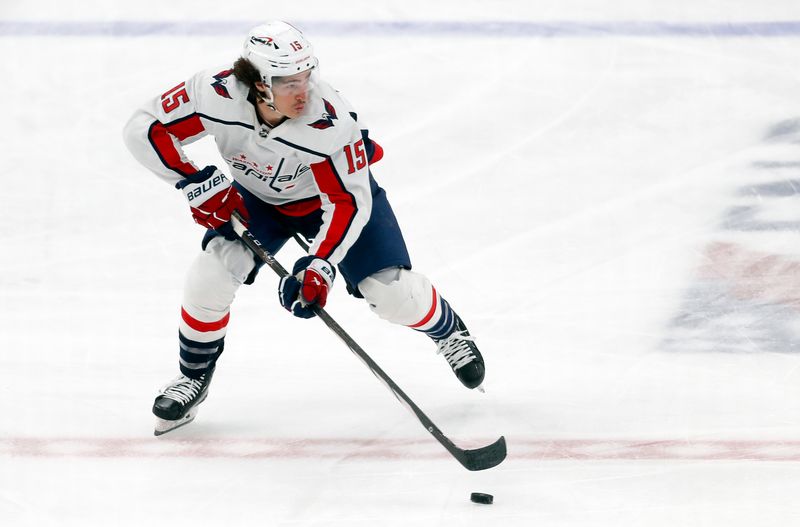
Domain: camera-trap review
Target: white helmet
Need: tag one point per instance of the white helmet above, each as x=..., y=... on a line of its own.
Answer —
x=278, y=49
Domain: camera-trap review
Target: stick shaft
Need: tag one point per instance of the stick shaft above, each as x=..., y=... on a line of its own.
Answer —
x=478, y=459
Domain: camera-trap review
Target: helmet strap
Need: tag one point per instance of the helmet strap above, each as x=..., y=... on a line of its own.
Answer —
x=268, y=99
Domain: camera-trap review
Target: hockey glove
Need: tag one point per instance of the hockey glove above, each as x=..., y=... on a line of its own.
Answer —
x=307, y=286
x=212, y=199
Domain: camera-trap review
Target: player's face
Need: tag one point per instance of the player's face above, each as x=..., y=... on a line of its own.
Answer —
x=290, y=94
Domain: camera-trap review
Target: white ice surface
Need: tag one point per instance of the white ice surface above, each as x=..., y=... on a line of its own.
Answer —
x=615, y=218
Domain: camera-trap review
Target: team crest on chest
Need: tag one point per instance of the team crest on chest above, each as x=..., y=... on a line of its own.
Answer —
x=278, y=178
x=327, y=118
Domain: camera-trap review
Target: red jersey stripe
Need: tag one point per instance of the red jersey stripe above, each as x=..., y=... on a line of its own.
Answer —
x=344, y=206
x=185, y=128
x=160, y=137
x=377, y=153
x=299, y=208
x=204, y=327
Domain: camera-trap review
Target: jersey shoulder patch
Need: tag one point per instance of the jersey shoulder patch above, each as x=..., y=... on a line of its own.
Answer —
x=220, y=82
x=219, y=87
x=328, y=117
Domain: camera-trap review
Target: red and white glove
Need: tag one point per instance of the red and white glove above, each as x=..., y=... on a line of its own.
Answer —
x=211, y=198
x=307, y=286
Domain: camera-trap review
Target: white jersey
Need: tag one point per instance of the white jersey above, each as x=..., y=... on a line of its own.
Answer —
x=316, y=160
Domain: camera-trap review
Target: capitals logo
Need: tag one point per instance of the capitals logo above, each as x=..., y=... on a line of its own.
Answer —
x=220, y=82
x=266, y=41
x=327, y=118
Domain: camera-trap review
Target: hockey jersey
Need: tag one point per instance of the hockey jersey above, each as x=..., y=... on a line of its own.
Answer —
x=319, y=159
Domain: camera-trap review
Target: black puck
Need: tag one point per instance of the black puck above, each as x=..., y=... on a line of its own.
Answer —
x=480, y=497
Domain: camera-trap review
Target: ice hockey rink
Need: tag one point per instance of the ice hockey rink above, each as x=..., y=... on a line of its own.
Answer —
x=607, y=192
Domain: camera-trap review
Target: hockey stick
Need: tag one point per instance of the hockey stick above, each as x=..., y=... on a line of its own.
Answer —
x=477, y=459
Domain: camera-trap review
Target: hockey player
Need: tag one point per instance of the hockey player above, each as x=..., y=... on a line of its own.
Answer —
x=298, y=161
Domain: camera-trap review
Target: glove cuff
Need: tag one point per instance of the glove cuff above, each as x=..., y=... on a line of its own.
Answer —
x=197, y=177
x=203, y=185
x=320, y=265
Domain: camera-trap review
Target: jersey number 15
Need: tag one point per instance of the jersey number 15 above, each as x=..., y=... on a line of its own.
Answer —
x=356, y=156
x=174, y=97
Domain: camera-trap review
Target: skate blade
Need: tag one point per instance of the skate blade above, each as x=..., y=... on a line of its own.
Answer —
x=163, y=425
x=480, y=388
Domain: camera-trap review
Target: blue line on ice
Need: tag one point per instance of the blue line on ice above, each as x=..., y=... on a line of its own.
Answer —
x=552, y=29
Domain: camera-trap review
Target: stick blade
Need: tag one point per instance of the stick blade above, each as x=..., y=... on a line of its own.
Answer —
x=485, y=457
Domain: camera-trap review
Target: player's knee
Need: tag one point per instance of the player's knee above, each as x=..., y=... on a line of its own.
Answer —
x=216, y=274
x=235, y=258
x=398, y=295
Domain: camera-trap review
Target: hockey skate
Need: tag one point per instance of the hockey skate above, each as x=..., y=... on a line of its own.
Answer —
x=463, y=356
x=176, y=404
